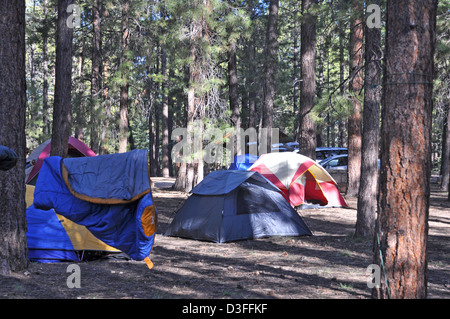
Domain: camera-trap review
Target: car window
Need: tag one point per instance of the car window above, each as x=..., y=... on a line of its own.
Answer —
x=333, y=163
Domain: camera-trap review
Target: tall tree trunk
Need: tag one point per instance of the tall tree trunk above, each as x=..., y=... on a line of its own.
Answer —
x=367, y=195
x=295, y=70
x=342, y=124
x=62, y=106
x=80, y=112
x=355, y=86
x=46, y=122
x=165, y=116
x=233, y=93
x=171, y=106
x=403, y=202
x=270, y=69
x=157, y=115
x=107, y=108
x=188, y=184
x=13, y=239
x=151, y=131
x=105, y=84
x=123, y=125
x=165, y=156
x=307, y=129
x=96, y=77
x=444, y=171
x=198, y=66
x=181, y=172
x=252, y=89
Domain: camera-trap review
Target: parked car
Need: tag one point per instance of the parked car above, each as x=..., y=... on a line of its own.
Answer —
x=338, y=162
x=326, y=152
x=280, y=147
x=335, y=162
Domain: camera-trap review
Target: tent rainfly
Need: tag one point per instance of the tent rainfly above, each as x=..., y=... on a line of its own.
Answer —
x=76, y=148
x=233, y=205
x=301, y=180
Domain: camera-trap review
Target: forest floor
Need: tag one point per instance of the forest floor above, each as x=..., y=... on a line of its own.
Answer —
x=329, y=265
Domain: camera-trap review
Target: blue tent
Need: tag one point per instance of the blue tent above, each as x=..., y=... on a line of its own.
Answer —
x=8, y=158
x=53, y=238
x=234, y=205
x=47, y=239
x=109, y=194
x=243, y=162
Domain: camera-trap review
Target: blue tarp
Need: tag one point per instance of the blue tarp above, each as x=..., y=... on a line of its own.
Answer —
x=243, y=162
x=109, y=194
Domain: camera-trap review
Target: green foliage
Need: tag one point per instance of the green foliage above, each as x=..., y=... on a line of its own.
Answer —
x=168, y=25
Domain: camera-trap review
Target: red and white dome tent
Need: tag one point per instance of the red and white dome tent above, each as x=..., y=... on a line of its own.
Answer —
x=300, y=179
x=75, y=148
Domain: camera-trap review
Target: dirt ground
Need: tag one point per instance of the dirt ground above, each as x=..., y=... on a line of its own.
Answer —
x=329, y=265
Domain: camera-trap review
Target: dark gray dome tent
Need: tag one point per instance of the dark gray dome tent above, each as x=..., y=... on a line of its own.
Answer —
x=236, y=205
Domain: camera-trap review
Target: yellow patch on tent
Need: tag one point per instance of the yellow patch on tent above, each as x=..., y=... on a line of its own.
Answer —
x=148, y=220
x=80, y=236
x=29, y=195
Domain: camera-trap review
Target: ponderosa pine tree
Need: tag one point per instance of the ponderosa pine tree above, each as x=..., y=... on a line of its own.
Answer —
x=165, y=162
x=13, y=242
x=307, y=129
x=96, y=76
x=191, y=168
x=367, y=195
x=123, y=124
x=271, y=51
x=403, y=204
x=62, y=107
x=355, y=86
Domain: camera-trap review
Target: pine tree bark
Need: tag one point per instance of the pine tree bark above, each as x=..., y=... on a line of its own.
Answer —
x=181, y=172
x=96, y=76
x=62, y=106
x=252, y=89
x=270, y=69
x=355, y=86
x=165, y=116
x=444, y=171
x=46, y=130
x=157, y=115
x=80, y=111
x=233, y=83
x=403, y=202
x=295, y=70
x=342, y=141
x=367, y=195
x=307, y=129
x=123, y=124
x=13, y=240
x=233, y=93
